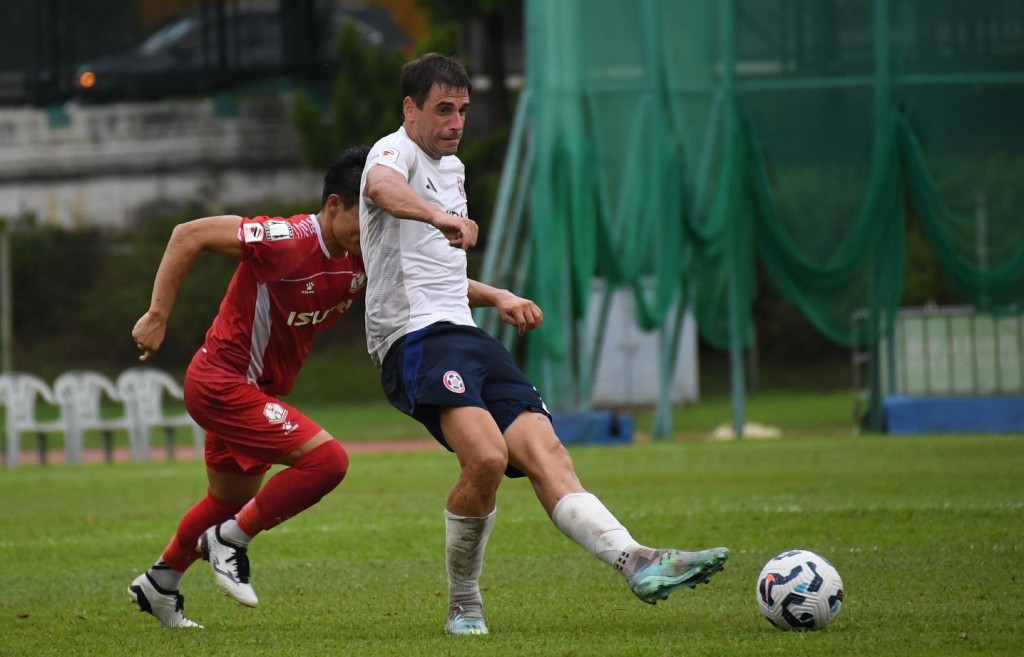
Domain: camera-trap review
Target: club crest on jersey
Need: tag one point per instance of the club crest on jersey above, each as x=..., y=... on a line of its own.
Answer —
x=388, y=155
x=251, y=233
x=462, y=186
x=453, y=381
x=278, y=230
x=358, y=281
x=275, y=413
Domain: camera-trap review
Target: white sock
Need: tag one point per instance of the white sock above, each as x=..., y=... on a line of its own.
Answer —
x=465, y=542
x=165, y=577
x=232, y=533
x=583, y=518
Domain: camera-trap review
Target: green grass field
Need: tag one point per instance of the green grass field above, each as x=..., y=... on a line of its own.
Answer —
x=795, y=413
x=926, y=533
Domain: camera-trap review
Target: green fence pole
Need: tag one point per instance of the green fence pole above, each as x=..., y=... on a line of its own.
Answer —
x=509, y=172
x=728, y=40
x=669, y=349
x=883, y=104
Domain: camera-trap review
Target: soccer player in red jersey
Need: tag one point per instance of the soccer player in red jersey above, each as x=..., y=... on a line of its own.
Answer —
x=296, y=276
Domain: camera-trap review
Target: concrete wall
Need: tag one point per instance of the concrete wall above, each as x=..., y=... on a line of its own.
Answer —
x=114, y=164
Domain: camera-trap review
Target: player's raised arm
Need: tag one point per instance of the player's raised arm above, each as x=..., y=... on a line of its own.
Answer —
x=390, y=191
x=522, y=313
x=215, y=234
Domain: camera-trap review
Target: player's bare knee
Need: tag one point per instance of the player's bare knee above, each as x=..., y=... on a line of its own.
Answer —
x=489, y=466
x=541, y=454
x=560, y=457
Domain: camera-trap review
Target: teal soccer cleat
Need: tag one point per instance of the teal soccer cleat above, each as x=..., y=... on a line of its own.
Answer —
x=673, y=569
x=465, y=620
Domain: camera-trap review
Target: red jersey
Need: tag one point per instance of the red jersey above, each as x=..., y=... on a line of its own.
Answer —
x=285, y=290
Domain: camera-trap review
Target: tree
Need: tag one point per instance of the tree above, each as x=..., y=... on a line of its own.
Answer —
x=365, y=104
x=495, y=18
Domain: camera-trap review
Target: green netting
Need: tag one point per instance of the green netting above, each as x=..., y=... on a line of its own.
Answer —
x=674, y=145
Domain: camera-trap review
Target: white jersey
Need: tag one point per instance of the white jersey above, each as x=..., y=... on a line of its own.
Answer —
x=414, y=277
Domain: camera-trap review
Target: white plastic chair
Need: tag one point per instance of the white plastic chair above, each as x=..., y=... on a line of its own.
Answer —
x=143, y=390
x=80, y=394
x=19, y=394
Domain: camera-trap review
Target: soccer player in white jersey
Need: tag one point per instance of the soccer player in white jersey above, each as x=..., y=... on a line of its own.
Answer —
x=457, y=380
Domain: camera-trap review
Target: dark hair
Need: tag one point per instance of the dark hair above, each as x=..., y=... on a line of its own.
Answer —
x=420, y=75
x=343, y=176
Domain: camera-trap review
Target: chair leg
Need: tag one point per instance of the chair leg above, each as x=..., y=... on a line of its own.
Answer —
x=12, y=451
x=139, y=438
x=42, y=447
x=108, y=446
x=199, y=438
x=73, y=444
x=170, y=435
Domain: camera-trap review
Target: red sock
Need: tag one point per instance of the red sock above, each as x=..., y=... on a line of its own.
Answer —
x=181, y=551
x=295, y=489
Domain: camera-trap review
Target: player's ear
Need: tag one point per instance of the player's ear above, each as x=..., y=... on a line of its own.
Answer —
x=408, y=107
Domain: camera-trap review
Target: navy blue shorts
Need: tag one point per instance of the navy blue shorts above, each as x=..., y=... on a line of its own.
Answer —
x=446, y=365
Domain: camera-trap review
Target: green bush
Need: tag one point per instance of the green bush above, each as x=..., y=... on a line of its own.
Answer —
x=77, y=295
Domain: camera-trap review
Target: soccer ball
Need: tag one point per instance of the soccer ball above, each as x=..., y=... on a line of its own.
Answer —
x=799, y=590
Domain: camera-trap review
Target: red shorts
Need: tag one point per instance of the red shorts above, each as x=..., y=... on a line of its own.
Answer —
x=247, y=430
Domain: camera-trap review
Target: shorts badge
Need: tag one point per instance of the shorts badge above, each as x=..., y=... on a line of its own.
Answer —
x=453, y=381
x=275, y=413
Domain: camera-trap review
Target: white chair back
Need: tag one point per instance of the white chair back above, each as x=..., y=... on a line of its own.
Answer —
x=144, y=390
x=20, y=394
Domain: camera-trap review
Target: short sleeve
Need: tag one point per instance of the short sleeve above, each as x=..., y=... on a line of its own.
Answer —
x=276, y=247
x=394, y=156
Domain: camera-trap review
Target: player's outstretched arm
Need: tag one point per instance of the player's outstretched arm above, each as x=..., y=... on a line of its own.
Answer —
x=522, y=313
x=215, y=234
x=390, y=191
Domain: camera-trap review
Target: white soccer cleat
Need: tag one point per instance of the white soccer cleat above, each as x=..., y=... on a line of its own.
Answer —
x=230, y=564
x=168, y=607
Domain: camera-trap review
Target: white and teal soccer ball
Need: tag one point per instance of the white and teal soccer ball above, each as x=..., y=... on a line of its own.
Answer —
x=799, y=590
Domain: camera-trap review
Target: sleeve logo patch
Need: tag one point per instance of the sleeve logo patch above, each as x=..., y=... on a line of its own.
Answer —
x=278, y=230
x=252, y=233
x=388, y=155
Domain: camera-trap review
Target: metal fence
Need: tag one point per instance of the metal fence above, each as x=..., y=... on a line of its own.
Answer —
x=954, y=351
x=60, y=50
x=947, y=351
